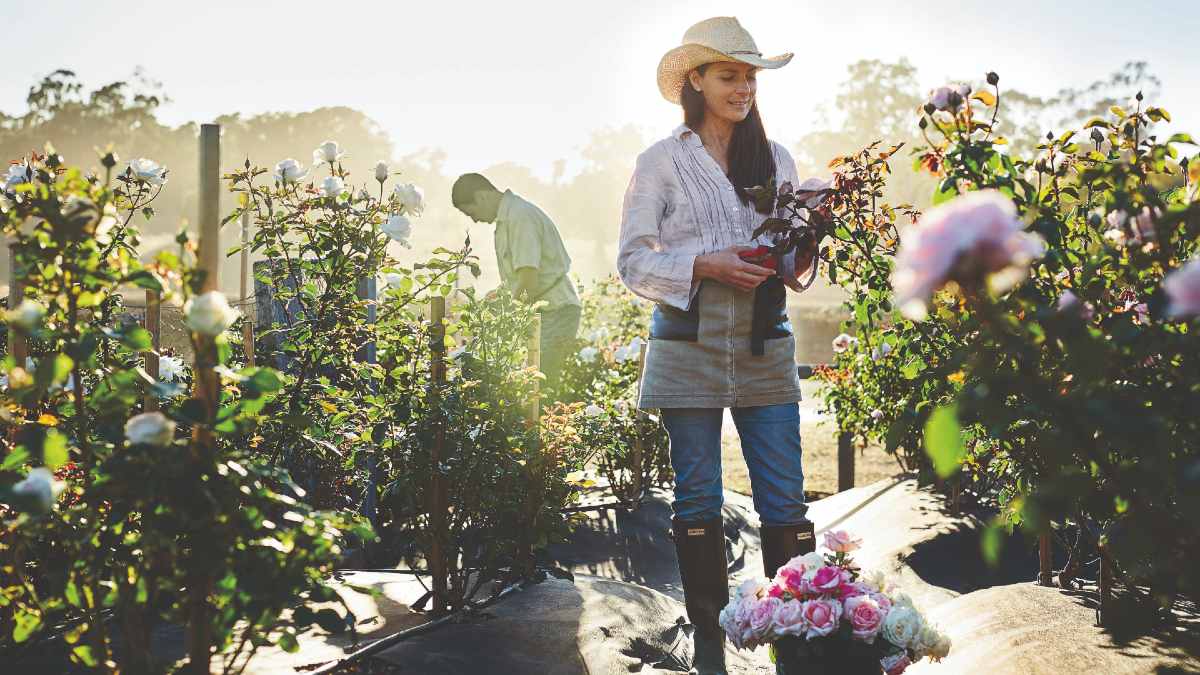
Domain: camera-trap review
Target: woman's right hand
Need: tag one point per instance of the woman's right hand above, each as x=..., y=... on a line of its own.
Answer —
x=727, y=268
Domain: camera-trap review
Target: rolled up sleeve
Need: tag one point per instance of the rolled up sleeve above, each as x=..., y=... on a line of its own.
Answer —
x=644, y=264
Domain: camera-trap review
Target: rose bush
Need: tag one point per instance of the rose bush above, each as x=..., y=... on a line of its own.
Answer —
x=117, y=515
x=1044, y=351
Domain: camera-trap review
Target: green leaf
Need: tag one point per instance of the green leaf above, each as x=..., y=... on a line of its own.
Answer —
x=145, y=279
x=26, y=624
x=1181, y=138
x=943, y=440
x=267, y=380
x=991, y=543
x=54, y=449
x=288, y=643
x=15, y=459
x=946, y=191
x=138, y=339
x=85, y=655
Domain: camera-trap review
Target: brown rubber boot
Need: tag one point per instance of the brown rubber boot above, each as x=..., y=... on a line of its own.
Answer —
x=700, y=547
x=781, y=543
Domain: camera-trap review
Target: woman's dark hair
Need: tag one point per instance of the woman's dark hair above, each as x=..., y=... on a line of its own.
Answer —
x=751, y=161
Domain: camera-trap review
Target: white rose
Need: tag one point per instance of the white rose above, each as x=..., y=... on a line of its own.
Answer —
x=599, y=334
x=332, y=186
x=925, y=641
x=290, y=171
x=589, y=354
x=902, y=625
x=843, y=342
x=399, y=228
x=170, y=368
x=381, y=171
x=40, y=484
x=209, y=314
x=152, y=428
x=27, y=316
x=410, y=197
x=593, y=410
x=941, y=647
x=327, y=152
x=877, y=414
x=17, y=174
x=148, y=171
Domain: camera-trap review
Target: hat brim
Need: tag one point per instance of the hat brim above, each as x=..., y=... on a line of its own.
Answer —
x=677, y=63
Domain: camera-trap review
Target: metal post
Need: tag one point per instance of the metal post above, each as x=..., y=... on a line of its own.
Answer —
x=153, y=323
x=438, y=507
x=638, y=444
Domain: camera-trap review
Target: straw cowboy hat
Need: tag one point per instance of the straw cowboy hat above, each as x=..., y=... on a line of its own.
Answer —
x=720, y=38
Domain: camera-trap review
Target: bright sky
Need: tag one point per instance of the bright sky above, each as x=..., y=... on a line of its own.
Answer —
x=526, y=81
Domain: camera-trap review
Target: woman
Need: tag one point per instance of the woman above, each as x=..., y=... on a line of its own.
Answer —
x=686, y=215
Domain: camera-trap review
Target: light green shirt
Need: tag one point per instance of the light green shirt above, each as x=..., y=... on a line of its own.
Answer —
x=526, y=237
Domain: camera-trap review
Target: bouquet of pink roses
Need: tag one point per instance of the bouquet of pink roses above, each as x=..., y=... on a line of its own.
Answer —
x=831, y=608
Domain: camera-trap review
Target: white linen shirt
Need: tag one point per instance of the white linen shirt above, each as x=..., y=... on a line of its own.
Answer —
x=679, y=205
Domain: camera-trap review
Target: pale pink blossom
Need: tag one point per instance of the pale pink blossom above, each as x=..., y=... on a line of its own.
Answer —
x=822, y=617
x=841, y=541
x=1069, y=302
x=1183, y=290
x=789, y=619
x=843, y=342
x=865, y=617
x=940, y=97
x=975, y=236
x=762, y=617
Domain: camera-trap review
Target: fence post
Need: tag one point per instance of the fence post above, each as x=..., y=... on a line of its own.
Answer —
x=247, y=322
x=152, y=322
x=1045, y=561
x=438, y=567
x=16, y=293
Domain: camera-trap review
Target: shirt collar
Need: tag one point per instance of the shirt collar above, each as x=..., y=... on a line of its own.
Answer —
x=505, y=205
x=684, y=133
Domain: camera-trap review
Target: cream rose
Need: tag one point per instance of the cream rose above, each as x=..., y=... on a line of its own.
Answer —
x=152, y=428
x=290, y=171
x=209, y=314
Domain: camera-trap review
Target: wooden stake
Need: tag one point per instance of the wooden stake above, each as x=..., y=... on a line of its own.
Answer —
x=247, y=322
x=199, y=631
x=438, y=560
x=17, y=346
x=535, y=465
x=1045, y=561
x=1106, y=584
x=845, y=461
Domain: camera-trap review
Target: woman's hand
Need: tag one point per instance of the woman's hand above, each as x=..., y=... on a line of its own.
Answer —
x=727, y=268
x=804, y=260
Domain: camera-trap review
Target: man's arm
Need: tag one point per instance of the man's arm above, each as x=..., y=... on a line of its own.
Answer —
x=527, y=282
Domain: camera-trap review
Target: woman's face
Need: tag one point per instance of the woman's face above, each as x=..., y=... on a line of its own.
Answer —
x=728, y=88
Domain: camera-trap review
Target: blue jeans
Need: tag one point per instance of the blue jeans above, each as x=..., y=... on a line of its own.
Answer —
x=771, y=445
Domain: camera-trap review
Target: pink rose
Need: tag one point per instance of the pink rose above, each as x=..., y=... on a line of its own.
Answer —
x=865, y=617
x=789, y=619
x=822, y=617
x=895, y=664
x=842, y=541
x=827, y=579
x=851, y=589
x=762, y=616
x=791, y=579
x=1183, y=290
x=741, y=620
x=884, y=602
x=775, y=591
x=977, y=236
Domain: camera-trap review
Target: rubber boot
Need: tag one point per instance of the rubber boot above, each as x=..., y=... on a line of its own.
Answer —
x=781, y=543
x=700, y=547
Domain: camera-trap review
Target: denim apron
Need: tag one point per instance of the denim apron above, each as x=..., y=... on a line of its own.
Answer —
x=706, y=357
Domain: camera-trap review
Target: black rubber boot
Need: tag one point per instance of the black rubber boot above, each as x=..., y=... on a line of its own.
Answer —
x=781, y=543
x=700, y=547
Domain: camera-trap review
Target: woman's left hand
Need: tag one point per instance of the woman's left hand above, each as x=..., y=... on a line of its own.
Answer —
x=805, y=259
